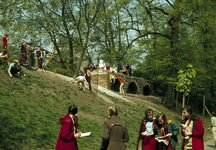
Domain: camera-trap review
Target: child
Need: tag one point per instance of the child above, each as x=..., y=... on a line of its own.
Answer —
x=192, y=130
x=5, y=41
x=167, y=130
x=146, y=134
x=3, y=58
x=213, y=126
x=68, y=133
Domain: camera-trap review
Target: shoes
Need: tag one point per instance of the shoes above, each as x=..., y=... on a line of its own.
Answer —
x=24, y=75
x=84, y=92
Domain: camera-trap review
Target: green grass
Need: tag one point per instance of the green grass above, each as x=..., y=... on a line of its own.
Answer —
x=30, y=109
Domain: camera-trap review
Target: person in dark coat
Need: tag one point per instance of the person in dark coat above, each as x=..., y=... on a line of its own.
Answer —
x=115, y=132
x=68, y=133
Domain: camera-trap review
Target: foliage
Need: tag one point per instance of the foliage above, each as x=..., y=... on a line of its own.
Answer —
x=184, y=83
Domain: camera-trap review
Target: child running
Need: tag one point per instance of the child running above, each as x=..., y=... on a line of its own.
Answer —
x=192, y=131
x=167, y=131
x=146, y=134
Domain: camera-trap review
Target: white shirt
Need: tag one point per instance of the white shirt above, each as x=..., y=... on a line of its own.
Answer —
x=81, y=78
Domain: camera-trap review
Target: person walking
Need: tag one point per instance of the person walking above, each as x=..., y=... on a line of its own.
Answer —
x=115, y=132
x=121, y=90
x=192, y=131
x=4, y=39
x=112, y=80
x=68, y=132
x=213, y=126
x=80, y=79
x=87, y=75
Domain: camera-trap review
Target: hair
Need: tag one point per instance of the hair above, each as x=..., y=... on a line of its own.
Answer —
x=73, y=110
x=147, y=112
x=4, y=50
x=16, y=61
x=24, y=42
x=6, y=34
x=112, y=71
x=191, y=115
x=113, y=111
x=164, y=118
x=30, y=43
x=213, y=113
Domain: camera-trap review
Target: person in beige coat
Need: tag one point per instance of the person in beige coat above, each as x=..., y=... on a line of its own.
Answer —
x=115, y=132
x=87, y=75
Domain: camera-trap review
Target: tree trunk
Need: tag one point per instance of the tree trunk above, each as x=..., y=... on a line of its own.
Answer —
x=177, y=99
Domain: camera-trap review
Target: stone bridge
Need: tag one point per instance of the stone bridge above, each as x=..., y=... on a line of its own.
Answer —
x=133, y=85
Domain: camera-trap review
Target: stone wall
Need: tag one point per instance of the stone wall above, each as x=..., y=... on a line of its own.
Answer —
x=132, y=84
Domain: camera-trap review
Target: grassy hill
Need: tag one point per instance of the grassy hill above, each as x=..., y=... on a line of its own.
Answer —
x=30, y=108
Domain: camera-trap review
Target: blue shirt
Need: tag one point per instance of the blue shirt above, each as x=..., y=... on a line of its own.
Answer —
x=149, y=127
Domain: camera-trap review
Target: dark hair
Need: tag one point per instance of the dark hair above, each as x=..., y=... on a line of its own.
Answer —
x=147, y=112
x=113, y=111
x=191, y=115
x=213, y=113
x=164, y=118
x=73, y=110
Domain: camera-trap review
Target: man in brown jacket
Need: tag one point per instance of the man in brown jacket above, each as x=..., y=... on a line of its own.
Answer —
x=115, y=132
x=87, y=75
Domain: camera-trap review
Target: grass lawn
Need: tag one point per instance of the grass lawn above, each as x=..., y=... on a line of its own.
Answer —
x=30, y=108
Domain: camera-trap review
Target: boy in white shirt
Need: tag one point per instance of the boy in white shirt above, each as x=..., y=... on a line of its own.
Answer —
x=80, y=79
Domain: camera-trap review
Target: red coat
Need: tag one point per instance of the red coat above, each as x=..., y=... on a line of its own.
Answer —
x=148, y=141
x=197, y=136
x=4, y=41
x=66, y=139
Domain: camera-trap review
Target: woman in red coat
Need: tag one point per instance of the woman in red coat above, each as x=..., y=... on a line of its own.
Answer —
x=68, y=133
x=192, y=131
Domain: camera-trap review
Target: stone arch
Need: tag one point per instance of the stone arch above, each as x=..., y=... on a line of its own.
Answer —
x=146, y=90
x=132, y=88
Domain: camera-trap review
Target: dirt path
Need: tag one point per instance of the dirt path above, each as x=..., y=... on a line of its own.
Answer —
x=209, y=145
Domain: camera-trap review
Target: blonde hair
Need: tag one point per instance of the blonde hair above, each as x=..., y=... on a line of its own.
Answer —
x=6, y=34
x=112, y=110
x=24, y=42
x=16, y=61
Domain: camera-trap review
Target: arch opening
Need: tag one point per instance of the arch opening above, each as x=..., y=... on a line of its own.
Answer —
x=132, y=88
x=146, y=90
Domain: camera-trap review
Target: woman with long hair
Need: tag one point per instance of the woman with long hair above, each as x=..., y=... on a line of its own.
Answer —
x=68, y=133
x=167, y=131
x=192, y=131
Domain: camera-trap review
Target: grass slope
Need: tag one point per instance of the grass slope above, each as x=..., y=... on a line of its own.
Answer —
x=30, y=108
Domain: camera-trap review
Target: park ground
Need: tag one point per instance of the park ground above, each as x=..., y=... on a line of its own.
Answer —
x=30, y=108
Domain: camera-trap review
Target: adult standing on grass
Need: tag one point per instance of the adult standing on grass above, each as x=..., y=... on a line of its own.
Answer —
x=5, y=41
x=81, y=79
x=115, y=132
x=167, y=131
x=121, y=90
x=213, y=126
x=87, y=75
x=192, y=131
x=146, y=134
x=68, y=133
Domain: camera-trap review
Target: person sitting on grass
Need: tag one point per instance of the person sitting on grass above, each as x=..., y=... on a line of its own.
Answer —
x=81, y=79
x=15, y=68
x=23, y=62
x=3, y=58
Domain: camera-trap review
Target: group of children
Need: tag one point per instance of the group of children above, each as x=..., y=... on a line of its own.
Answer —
x=158, y=133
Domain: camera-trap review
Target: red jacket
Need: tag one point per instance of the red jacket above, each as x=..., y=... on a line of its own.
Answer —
x=4, y=41
x=66, y=139
x=197, y=136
